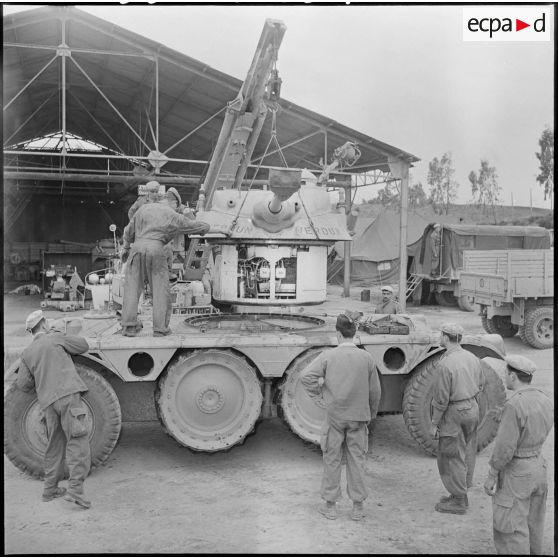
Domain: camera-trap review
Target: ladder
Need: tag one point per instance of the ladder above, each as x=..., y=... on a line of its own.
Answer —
x=415, y=281
x=197, y=257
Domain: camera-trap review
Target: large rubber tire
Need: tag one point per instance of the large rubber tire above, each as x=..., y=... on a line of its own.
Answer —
x=209, y=400
x=502, y=325
x=539, y=327
x=487, y=325
x=465, y=303
x=445, y=298
x=417, y=404
x=25, y=436
x=297, y=408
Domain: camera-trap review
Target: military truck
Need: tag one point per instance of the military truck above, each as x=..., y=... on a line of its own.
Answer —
x=515, y=292
x=440, y=261
x=219, y=373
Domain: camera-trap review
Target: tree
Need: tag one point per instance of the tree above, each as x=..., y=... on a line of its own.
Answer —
x=390, y=195
x=485, y=187
x=546, y=162
x=443, y=189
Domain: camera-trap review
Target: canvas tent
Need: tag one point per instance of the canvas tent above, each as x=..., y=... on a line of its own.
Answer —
x=375, y=249
x=441, y=251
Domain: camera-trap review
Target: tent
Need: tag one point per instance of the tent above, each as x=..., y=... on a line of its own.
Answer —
x=375, y=249
x=442, y=246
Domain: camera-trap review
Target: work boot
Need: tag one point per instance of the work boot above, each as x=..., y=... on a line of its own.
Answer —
x=328, y=510
x=445, y=499
x=455, y=505
x=358, y=511
x=131, y=331
x=77, y=498
x=52, y=493
x=161, y=333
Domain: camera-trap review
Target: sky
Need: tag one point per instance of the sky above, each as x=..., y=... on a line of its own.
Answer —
x=401, y=74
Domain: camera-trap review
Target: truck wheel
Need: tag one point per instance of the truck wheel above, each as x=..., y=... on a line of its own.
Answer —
x=487, y=324
x=297, y=408
x=502, y=325
x=445, y=298
x=466, y=303
x=209, y=400
x=25, y=435
x=539, y=328
x=417, y=404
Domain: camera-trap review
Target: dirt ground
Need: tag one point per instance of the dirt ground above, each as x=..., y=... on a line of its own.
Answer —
x=154, y=496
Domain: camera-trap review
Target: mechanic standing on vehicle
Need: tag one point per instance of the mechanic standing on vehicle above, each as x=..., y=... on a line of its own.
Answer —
x=345, y=381
x=47, y=367
x=152, y=227
x=517, y=476
x=455, y=419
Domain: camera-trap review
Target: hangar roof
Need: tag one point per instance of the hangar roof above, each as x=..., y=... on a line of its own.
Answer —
x=113, y=81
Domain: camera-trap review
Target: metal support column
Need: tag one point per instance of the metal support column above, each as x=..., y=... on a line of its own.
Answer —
x=400, y=170
x=347, y=249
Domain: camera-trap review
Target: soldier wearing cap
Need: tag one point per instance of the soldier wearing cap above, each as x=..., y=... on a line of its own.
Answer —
x=152, y=227
x=517, y=476
x=388, y=305
x=455, y=419
x=152, y=189
x=47, y=367
x=345, y=381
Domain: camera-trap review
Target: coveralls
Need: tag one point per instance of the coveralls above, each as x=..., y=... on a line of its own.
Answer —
x=46, y=366
x=389, y=307
x=520, y=500
x=351, y=395
x=150, y=229
x=456, y=412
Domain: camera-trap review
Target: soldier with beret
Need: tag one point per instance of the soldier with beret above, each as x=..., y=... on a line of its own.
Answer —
x=455, y=419
x=46, y=366
x=517, y=479
x=345, y=381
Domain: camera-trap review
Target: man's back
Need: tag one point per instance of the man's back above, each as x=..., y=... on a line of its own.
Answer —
x=351, y=388
x=157, y=221
x=47, y=359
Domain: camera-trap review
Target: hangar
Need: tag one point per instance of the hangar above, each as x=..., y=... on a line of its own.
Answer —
x=92, y=110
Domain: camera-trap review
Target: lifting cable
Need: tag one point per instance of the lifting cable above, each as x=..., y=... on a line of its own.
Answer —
x=273, y=137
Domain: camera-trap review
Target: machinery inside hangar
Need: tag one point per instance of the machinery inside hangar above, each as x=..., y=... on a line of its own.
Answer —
x=92, y=111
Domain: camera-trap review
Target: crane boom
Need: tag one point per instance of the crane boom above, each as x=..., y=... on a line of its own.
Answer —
x=244, y=119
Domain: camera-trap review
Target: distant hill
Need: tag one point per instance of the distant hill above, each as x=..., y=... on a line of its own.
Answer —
x=473, y=215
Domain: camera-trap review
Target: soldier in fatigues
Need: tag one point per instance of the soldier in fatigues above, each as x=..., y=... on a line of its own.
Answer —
x=150, y=229
x=350, y=393
x=455, y=419
x=46, y=366
x=388, y=305
x=517, y=476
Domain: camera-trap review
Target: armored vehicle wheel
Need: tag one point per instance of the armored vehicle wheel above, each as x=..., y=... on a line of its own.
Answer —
x=487, y=325
x=539, y=328
x=445, y=298
x=502, y=325
x=297, y=408
x=466, y=303
x=209, y=400
x=417, y=402
x=25, y=435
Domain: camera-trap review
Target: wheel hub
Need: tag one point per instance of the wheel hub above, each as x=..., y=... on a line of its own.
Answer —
x=210, y=400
